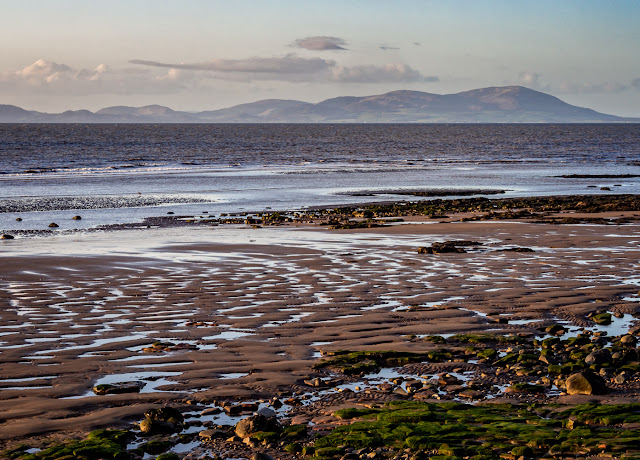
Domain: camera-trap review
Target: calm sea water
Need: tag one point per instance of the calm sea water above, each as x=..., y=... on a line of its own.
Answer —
x=123, y=173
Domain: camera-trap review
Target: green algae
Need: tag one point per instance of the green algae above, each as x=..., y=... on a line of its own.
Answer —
x=488, y=430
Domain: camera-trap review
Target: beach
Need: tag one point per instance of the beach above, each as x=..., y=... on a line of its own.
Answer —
x=242, y=314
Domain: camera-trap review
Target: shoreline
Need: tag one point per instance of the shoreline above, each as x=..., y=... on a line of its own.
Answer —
x=254, y=309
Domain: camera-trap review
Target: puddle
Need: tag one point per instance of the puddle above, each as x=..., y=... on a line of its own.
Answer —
x=152, y=381
x=228, y=335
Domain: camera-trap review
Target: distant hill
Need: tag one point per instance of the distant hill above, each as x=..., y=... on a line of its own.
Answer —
x=507, y=104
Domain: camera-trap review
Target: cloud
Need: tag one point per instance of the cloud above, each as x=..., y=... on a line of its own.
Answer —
x=297, y=69
x=530, y=79
x=635, y=83
x=289, y=64
x=320, y=43
x=389, y=73
x=388, y=48
x=50, y=77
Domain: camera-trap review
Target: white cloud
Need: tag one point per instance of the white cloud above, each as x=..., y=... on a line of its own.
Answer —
x=530, y=79
x=389, y=73
x=320, y=43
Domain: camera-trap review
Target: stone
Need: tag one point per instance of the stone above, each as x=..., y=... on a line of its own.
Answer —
x=77, y=218
x=585, y=383
x=165, y=414
x=628, y=340
x=598, y=357
x=261, y=456
x=154, y=427
x=53, y=225
x=119, y=388
x=622, y=377
x=246, y=427
x=6, y=236
x=267, y=412
x=212, y=433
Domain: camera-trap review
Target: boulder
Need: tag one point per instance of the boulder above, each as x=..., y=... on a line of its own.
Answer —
x=598, y=357
x=585, y=383
x=246, y=427
x=53, y=225
x=6, y=236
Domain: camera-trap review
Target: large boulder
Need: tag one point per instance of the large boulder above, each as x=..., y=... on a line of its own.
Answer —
x=256, y=423
x=585, y=383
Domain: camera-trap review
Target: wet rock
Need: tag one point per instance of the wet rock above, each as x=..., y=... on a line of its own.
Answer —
x=585, y=383
x=6, y=236
x=53, y=225
x=622, y=377
x=261, y=456
x=441, y=248
x=517, y=249
x=598, y=357
x=207, y=435
x=603, y=319
x=18, y=219
x=555, y=329
x=628, y=340
x=154, y=427
x=119, y=388
x=76, y=218
x=267, y=412
x=471, y=394
x=246, y=427
x=165, y=414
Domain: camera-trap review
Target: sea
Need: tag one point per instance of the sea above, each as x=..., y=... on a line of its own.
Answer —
x=122, y=173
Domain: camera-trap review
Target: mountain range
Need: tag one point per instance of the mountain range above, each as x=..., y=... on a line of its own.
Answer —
x=507, y=104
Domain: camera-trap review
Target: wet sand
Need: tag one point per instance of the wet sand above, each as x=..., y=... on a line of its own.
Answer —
x=253, y=308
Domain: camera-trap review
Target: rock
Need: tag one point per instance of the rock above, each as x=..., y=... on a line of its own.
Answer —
x=18, y=219
x=555, y=329
x=603, y=319
x=261, y=456
x=598, y=357
x=165, y=414
x=246, y=427
x=471, y=394
x=628, y=340
x=53, y=225
x=585, y=383
x=211, y=411
x=119, y=388
x=622, y=377
x=442, y=248
x=6, y=236
x=77, y=218
x=154, y=427
x=267, y=412
x=212, y=433
x=517, y=249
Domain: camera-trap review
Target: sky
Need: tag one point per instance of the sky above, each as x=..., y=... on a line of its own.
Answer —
x=195, y=55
